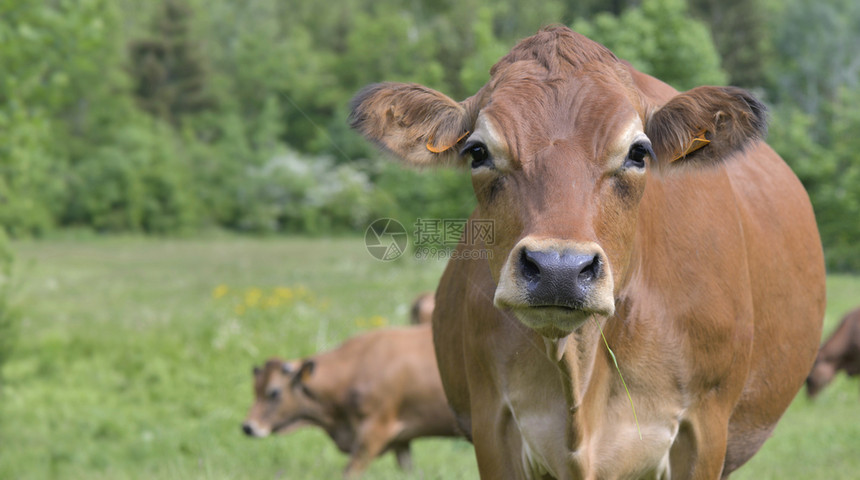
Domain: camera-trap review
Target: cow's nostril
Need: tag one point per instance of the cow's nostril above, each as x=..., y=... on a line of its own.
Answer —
x=529, y=267
x=247, y=429
x=590, y=271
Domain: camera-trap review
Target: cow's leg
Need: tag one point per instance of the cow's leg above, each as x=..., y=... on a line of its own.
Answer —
x=404, y=456
x=371, y=439
x=709, y=430
x=498, y=443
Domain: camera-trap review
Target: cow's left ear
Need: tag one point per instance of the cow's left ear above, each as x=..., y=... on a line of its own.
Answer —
x=705, y=125
x=418, y=124
x=304, y=373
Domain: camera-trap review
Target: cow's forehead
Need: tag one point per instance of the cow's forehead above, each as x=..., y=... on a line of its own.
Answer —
x=596, y=116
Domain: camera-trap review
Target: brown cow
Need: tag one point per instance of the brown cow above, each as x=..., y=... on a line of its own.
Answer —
x=422, y=308
x=376, y=392
x=840, y=352
x=620, y=205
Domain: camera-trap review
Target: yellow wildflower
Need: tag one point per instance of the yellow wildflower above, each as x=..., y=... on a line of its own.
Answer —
x=253, y=296
x=285, y=293
x=220, y=291
x=271, y=302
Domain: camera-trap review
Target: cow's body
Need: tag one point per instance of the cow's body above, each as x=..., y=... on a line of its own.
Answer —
x=699, y=259
x=422, y=308
x=710, y=360
x=840, y=352
x=374, y=393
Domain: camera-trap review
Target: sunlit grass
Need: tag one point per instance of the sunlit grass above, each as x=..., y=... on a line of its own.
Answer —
x=135, y=355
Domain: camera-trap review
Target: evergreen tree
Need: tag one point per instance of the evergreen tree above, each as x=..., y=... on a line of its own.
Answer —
x=169, y=72
x=739, y=31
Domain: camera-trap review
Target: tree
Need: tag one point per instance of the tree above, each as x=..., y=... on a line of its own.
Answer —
x=660, y=39
x=816, y=52
x=740, y=33
x=59, y=69
x=169, y=73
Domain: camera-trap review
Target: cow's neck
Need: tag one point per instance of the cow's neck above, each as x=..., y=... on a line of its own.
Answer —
x=329, y=399
x=576, y=367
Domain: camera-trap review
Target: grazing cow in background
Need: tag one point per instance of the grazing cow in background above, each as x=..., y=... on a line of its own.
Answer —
x=624, y=207
x=840, y=352
x=422, y=308
x=376, y=392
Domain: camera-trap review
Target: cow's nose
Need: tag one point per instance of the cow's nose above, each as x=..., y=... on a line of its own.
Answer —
x=247, y=429
x=561, y=279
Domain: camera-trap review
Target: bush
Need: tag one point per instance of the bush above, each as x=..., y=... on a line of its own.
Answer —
x=137, y=182
x=429, y=194
x=30, y=176
x=8, y=317
x=830, y=172
x=296, y=193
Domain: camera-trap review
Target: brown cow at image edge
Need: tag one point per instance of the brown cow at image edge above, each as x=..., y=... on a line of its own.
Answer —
x=840, y=352
x=422, y=308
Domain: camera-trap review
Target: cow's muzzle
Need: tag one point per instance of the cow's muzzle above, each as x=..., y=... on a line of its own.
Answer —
x=251, y=429
x=559, y=279
x=553, y=286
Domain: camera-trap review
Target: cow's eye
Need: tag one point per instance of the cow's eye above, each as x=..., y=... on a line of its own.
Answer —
x=479, y=153
x=637, y=154
x=274, y=394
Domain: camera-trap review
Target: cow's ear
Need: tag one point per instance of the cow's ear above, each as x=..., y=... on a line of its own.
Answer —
x=304, y=373
x=415, y=123
x=705, y=125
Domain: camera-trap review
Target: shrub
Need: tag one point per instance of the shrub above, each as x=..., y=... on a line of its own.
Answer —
x=296, y=193
x=8, y=317
x=138, y=182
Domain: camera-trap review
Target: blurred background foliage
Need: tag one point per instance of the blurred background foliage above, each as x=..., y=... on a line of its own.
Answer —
x=173, y=116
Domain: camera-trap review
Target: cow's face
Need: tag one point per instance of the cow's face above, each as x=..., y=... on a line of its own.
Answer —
x=283, y=401
x=561, y=178
x=821, y=374
x=560, y=143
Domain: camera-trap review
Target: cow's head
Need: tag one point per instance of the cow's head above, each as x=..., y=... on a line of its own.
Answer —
x=283, y=400
x=560, y=142
x=822, y=373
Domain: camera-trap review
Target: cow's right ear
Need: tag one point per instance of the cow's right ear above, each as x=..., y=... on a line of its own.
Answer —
x=705, y=125
x=415, y=123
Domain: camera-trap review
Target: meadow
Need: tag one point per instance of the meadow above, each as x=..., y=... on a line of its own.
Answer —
x=134, y=356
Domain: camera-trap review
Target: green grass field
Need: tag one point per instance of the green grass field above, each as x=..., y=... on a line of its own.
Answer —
x=134, y=360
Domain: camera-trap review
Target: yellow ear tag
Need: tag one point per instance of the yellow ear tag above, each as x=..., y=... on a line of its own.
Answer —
x=442, y=149
x=696, y=143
